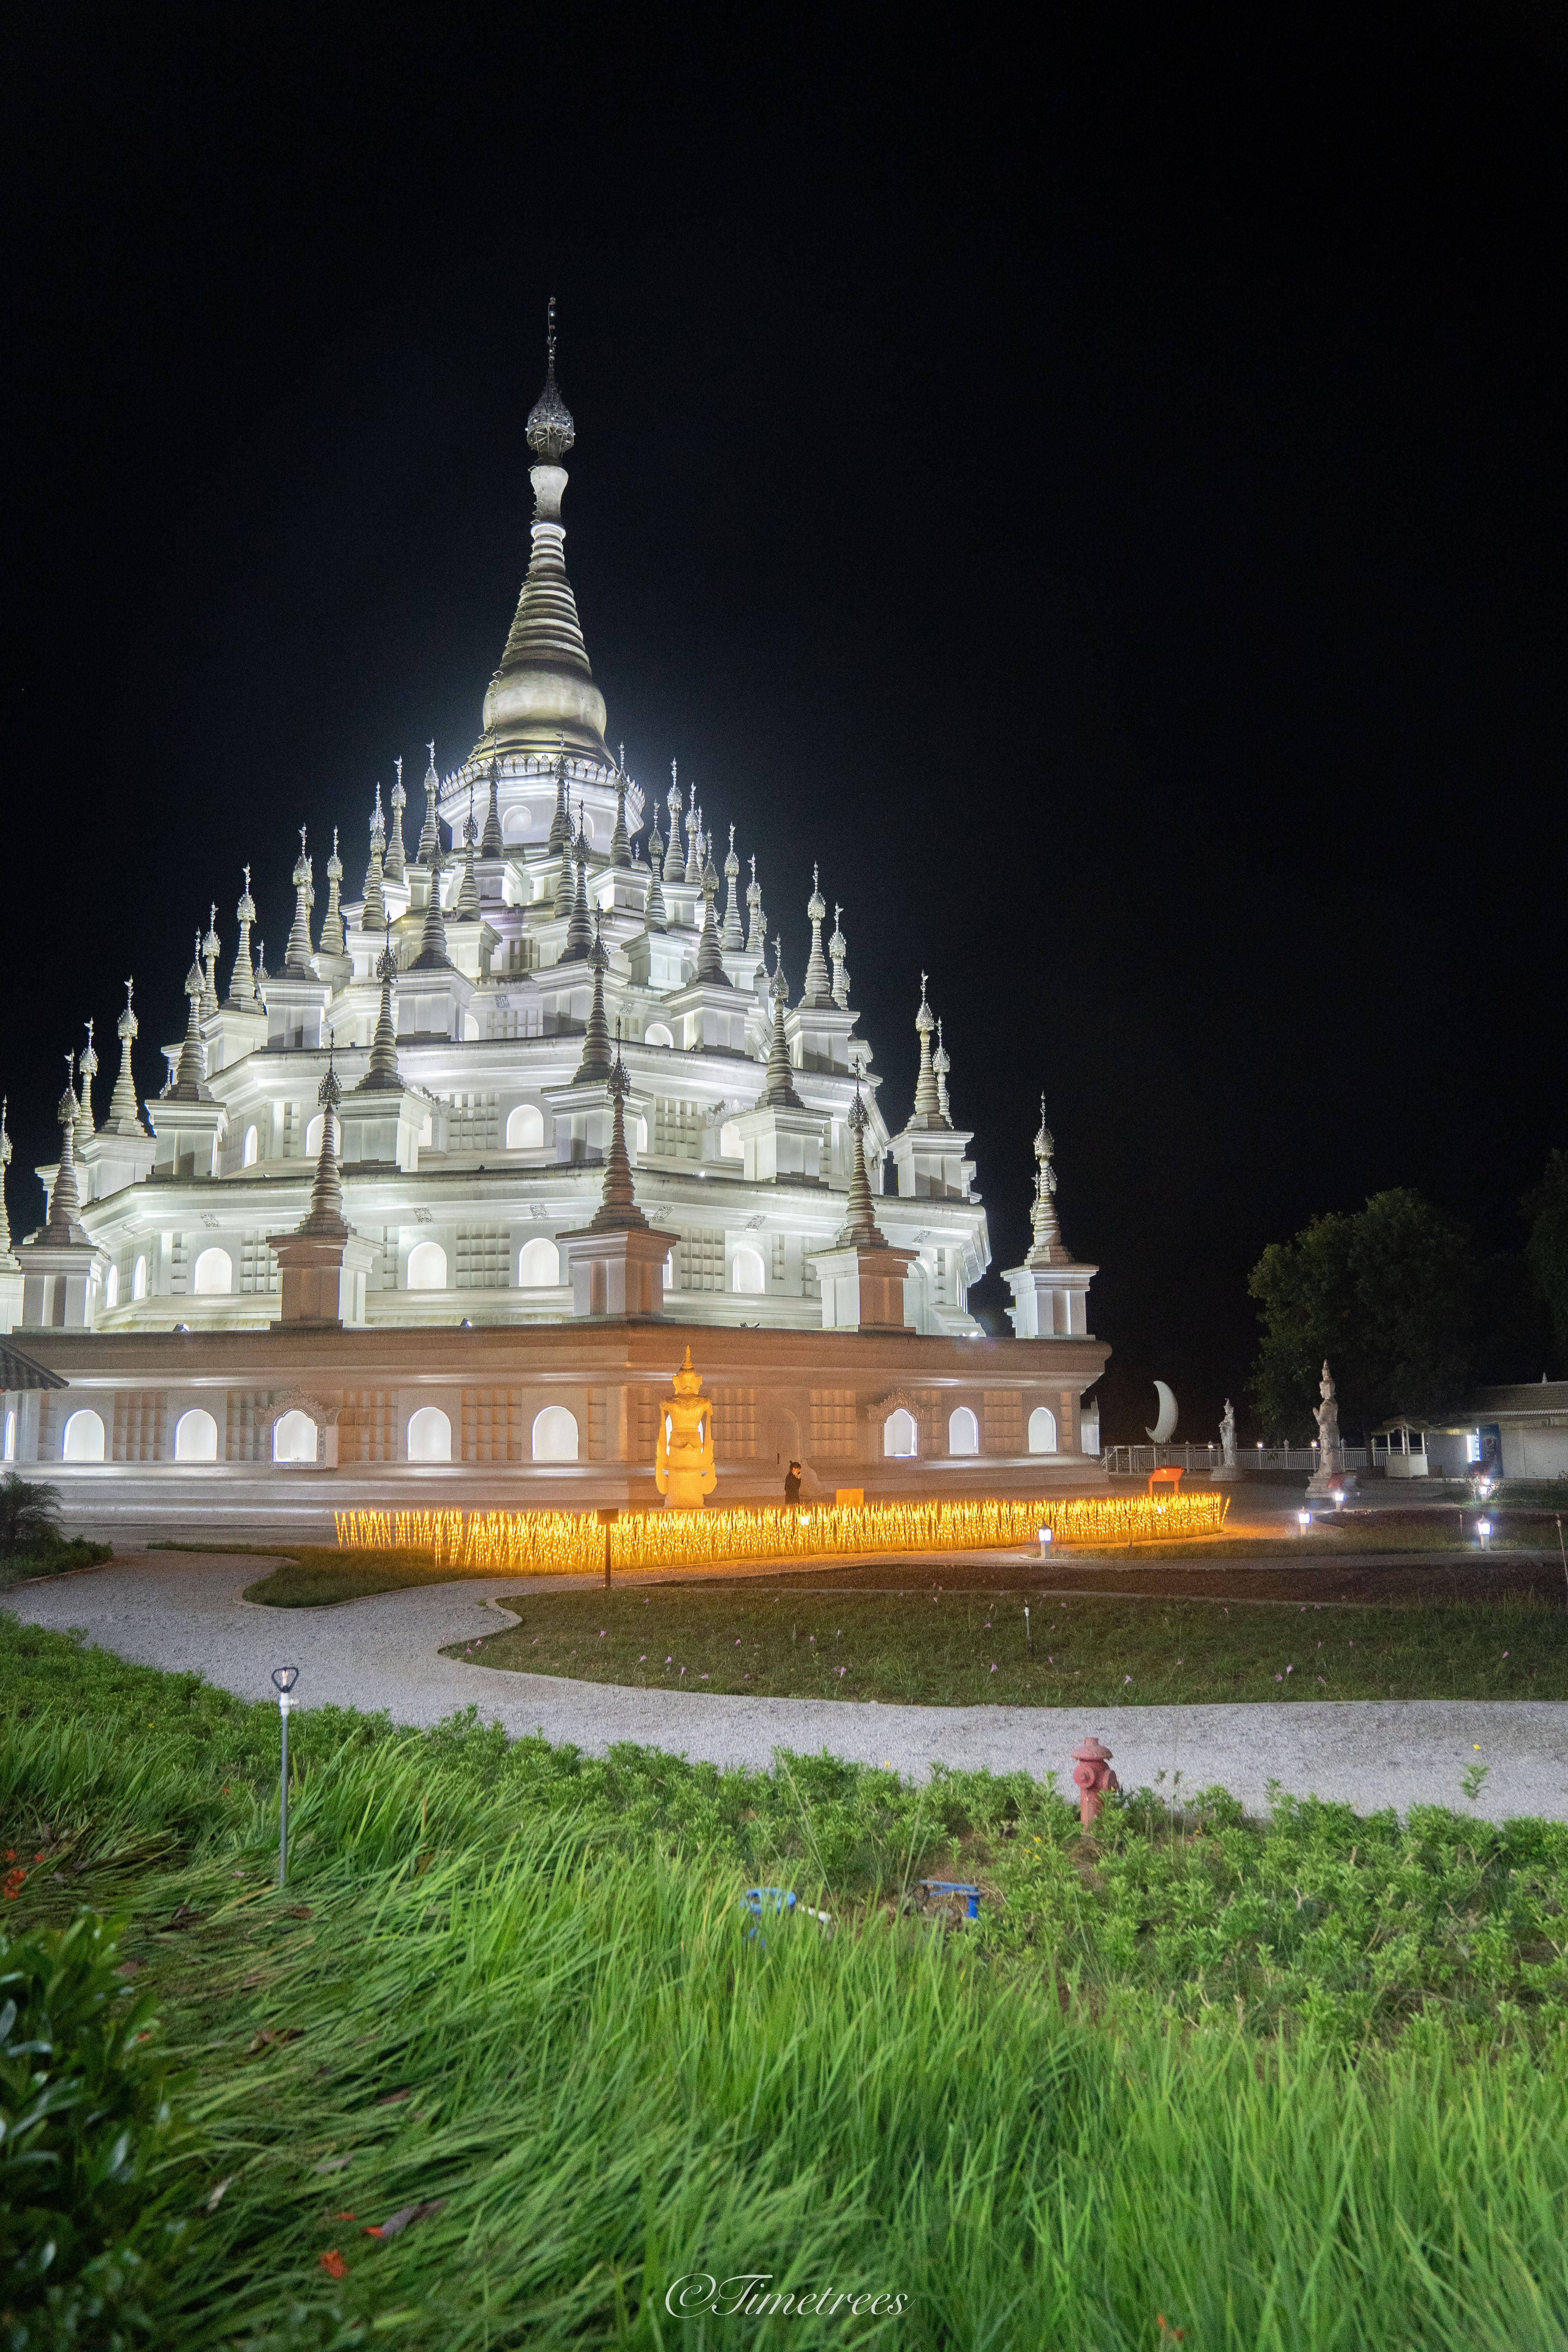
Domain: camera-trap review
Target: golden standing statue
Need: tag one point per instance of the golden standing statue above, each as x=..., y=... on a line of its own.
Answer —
x=683, y=1463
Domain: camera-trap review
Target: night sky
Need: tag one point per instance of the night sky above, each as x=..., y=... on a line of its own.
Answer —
x=1100, y=493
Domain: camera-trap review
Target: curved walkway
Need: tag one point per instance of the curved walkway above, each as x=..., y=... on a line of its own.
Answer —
x=184, y=1612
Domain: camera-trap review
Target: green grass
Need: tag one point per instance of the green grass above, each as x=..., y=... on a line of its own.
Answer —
x=963, y=1648
x=53, y=1559
x=1297, y=2085
x=314, y=1577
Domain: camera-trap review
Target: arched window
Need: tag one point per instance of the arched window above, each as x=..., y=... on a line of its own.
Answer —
x=656, y=1033
x=8, y=1451
x=112, y=1287
x=213, y=1273
x=426, y=1267
x=555, y=1434
x=294, y=1437
x=525, y=1128
x=730, y=1142
x=900, y=1436
x=539, y=1265
x=963, y=1432
x=429, y=1436
x=1042, y=1430
x=196, y=1436
x=250, y=1152
x=83, y=1437
x=747, y=1272
x=516, y=822
x=669, y=1275
x=139, y=1279
x=313, y=1139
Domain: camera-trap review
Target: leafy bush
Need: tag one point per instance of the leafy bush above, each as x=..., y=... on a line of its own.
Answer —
x=29, y=1514
x=89, y=2146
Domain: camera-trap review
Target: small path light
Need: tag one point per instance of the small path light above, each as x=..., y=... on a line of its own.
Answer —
x=1044, y=1537
x=283, y=1681
x=1303, y=1520
x=1484, y=1529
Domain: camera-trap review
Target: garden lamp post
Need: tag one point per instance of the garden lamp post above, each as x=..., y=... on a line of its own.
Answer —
x=1484, y=1529
x=283, y=1681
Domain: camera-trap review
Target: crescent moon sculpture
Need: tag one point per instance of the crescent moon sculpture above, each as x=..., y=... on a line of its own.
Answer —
x=1165, y=1419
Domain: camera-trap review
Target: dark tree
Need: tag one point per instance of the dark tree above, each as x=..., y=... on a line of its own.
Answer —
x=1546, y=1251
x=1387, y=1295
x=29, y=1514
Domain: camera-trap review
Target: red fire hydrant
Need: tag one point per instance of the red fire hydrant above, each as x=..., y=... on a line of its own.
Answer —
x=1092, y=1773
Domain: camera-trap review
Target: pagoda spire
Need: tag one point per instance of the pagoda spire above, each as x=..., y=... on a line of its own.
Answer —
x=298, y=962
x=756, y=922
x=381, y=1071
x=941, y=1067
x=617, y=1210
x=372, y=916
x=579, y=930
x=64, y=1201
x=817, y=989
x=1047, y=1247
x=779, y=1090
x=432, y=955
x=544, y=684
x=596, y=1061
x=566, y=878
x=467, y=905
x=123, y=1116
x=928, y=1102
x=88, y=1066
x=838, y=949
x=859, y=1229
x=430, y=830
x=325, y=1215
x=490, y=842
x=190, y=1078
x=212, y=947
x=656, y=915
x=710, y=954
x=5, y=1163
x=242, y=983
x=674, y=866
x=732, y=937
x=620, y=841
x=692, y=873
x=397, y=855
x=560, y=822
x=332, y=927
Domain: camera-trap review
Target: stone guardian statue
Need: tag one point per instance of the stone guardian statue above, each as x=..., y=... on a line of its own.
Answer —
x=1226, y=1470
x=1331, y=1476
x=683, y=1468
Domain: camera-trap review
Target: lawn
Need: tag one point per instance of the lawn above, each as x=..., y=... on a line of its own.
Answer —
x=501, y=2064
x=965, y=1648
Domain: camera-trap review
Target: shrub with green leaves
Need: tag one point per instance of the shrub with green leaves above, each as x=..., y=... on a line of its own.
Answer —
x=91, y=2146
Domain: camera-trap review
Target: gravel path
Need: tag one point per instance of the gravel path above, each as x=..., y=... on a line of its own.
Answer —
x=183, y=1610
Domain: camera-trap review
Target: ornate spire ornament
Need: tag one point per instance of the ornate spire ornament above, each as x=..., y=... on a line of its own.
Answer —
x=123, y=1116
x=490, y=842
x=373, y=915
x=381, y=1073
x=5, y=1163
x=560, y=822
x=928, y=1102
x=88, y=1066
x=190, y=1078
x=332, y=923
x=596, y=1058
x=211, y=948
x=565, y=879
x=756, y=923
x=298, y=957
x=838, y=949
x=709, y=955
x=1047, y=1248
x=779, y=1090
x=731, y=936
x=65, y=1202
x=859, y=1229
x=430, y=830
x=242, y=981
x=818, y=989
x=692, y=873
x=551, y=432
x=940, y=1065
x=325, y=1215
x=620, y=844
x=579, y=930
x=656, y=915
x=617, y=1210
x=467, y=905
x=673, y=866
x=432, y=955
x=397, y=856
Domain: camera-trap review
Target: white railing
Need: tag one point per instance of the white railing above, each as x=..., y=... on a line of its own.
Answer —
x=1138, y=1460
